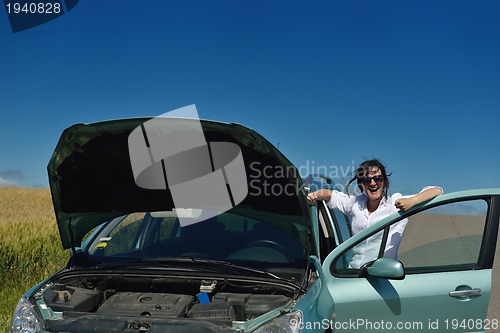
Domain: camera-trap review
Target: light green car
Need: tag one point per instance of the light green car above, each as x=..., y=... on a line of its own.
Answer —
x=235, y=254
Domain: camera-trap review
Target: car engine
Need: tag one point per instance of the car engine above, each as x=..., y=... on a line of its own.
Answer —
x=147, y=304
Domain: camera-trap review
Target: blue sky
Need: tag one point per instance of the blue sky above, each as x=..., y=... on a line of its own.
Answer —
x=414, y=83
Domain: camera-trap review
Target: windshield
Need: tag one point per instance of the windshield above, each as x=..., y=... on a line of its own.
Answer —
x=239, y=236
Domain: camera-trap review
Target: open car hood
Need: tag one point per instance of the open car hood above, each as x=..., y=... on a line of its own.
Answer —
x=92, y=178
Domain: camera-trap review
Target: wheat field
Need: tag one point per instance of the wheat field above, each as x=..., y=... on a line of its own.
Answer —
x=30, y=249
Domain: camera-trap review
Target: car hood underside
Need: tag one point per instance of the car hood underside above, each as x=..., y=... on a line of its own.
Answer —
x=92, y=180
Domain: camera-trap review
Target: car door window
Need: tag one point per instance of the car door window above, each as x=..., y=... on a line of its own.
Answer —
x=124, y=237
x=169, y=228
x=443, y=238
x=327, y=239
x=447, y=237
x=333, y=228
x=343, y=222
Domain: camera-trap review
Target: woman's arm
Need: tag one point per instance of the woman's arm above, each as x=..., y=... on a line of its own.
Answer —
x=428, y=194
x=323, y=194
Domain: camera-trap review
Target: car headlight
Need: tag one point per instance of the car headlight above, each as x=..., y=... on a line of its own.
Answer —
x=25, y=319
x=287, y=323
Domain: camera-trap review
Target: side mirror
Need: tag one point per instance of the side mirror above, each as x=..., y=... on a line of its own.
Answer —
x=385, y=268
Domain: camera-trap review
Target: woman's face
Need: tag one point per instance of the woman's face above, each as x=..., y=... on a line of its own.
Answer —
x=373, y=184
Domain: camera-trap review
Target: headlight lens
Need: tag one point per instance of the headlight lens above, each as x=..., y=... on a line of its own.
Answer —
x=287, y=323
x=25, y=319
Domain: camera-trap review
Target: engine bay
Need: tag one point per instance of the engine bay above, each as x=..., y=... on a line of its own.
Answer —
x=150, y=304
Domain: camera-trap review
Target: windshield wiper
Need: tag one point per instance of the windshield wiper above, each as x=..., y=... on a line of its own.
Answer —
x=129, y=263
x=212, y=263
x=228, y=264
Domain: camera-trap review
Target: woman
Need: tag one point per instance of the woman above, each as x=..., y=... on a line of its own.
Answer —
x=371, y=206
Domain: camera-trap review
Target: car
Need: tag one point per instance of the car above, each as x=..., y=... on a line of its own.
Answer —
x=233, y=255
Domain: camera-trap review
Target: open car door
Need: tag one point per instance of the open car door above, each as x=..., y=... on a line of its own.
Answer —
x=440, y=280
x=331, y=228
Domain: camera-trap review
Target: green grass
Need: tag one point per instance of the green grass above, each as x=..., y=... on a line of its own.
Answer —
x=30, y=249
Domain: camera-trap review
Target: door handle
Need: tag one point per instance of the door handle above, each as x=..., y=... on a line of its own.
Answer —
x=465, y=293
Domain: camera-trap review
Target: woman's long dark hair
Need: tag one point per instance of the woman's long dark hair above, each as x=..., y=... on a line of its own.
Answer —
x=364, y=169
